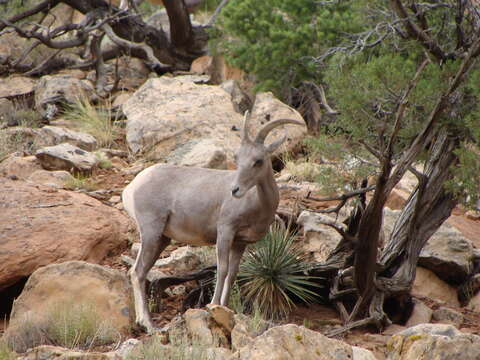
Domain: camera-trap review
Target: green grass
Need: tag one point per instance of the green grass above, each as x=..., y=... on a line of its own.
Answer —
x=68, y=324
x=97, y=121
x=13, y=142
x=5, y=352
x=180, y=348
x=272, y=275
x=80, y=182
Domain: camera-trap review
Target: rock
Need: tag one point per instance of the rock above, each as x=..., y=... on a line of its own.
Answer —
x=40, y=225
x=447, y=253
x=421, y=314
x=183, y=259
x=203, y=330
x=362, y=354
x=60, y=135
x=126, y=347
x=51, y=178
x=445, y=315
x=220, y=71
x=20, y=139
x=267, y=108
x=60, y=89
x=474, y=303
x=222, y=316
x=152, y=275
x=106, y=291
x=295, y=342
x=393, y=329
x=66, y=157
x=19, y=167
x=6, y=111
x=429, y=285
x=16, y=86
x=193, y=112
x=199, y=153
x=202, y=65
x=319, y=239
x=241, y=101
x=47, y=352
x=433, y=341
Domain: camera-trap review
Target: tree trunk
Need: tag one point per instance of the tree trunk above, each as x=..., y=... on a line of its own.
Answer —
x=426, y=210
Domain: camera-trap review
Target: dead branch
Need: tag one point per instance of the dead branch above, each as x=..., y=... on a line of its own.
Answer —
x=217, y=11
x=345, y=196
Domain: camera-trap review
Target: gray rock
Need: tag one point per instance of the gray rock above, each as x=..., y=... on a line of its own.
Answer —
x=52, y=90
x=60, y=135
x=199, y=153
x=319, y=239
x=433, y=341
x=241, y=101
x=183, y=259
x=66, y=157
x=297, y=343
x=447, y=253
x=446, y=315
x=421, y=314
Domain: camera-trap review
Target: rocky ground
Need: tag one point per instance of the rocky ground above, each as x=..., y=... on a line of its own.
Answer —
x=64, y=236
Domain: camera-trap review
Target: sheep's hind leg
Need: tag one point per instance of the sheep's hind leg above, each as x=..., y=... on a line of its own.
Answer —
x=153, y=243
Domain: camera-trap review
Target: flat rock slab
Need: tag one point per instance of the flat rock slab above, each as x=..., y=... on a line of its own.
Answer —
x=66, y=157
x=16, y=86
x=40, y=225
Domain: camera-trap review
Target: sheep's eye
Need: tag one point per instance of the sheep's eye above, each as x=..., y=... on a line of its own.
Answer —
x=235, y=158
x=258, y=163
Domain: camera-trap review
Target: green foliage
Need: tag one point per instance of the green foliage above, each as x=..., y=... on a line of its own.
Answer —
x=97, y=121
x=180, y=348
x=66, y=323
x=80, y=182
x=5, y=352
x=77, y=325
x=272, y=275
x=276, y=40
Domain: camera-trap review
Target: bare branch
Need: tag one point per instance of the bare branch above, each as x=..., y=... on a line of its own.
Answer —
x=43, y=6
x=344, y=196
x=217, y=11
x=415, y=32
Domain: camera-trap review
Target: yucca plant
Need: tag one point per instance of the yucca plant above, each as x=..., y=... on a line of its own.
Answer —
x=272, y=275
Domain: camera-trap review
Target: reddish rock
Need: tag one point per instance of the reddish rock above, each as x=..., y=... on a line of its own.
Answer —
x=40, y=225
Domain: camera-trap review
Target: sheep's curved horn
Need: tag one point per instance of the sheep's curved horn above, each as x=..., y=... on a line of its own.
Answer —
x=246, y=119
x=269, y=126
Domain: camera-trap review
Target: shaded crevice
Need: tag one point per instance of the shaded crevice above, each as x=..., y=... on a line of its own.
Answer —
x=8, y=295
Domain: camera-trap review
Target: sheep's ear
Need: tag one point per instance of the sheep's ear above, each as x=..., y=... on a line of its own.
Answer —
x=276, y=144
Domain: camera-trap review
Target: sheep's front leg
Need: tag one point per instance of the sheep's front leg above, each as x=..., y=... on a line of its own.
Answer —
x=236, y=253
x=224, y=244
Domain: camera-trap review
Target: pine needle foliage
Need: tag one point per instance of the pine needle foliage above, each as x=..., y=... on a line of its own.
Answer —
x=272, y=275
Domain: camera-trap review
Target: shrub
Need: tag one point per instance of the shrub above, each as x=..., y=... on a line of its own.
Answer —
x=180, y=348
x=5, y=352
x=65, y=323
x=80, y=182
x=93, y=120
x=272, y=275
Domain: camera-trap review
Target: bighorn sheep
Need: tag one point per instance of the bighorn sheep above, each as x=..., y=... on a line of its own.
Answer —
x=201, y=206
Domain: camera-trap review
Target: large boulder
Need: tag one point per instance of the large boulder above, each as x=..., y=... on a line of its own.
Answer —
x=433, y=341
x=447, y=253
x=66, y=157
x=101, y=290
x=40, y=225
x=294, y=342
x=199, y=153
x=166, y=113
